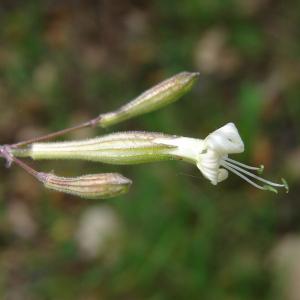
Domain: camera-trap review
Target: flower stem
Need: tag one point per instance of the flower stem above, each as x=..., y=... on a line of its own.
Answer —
x=49, y=136
x=5, y=152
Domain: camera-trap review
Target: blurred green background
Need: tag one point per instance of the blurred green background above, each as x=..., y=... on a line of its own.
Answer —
x=174, y=235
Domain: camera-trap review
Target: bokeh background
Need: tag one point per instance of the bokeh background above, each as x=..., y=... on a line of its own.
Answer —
x=174, y=236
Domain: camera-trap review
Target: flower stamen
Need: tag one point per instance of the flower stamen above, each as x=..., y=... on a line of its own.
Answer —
x=258, y=169
x=244, y=177
x=232, y=166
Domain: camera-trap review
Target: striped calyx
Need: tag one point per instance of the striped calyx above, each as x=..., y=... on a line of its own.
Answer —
x=93, y=186
x=118, y=148
x=155, y=98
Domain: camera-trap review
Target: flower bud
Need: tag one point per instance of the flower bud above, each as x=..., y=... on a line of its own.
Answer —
x=156, y=97
x=94, y=186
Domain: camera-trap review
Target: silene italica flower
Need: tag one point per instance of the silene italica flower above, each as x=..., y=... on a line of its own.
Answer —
x=210, y=155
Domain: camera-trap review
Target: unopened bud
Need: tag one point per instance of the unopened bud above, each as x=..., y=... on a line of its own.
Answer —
x=94, y=186
x=156, y=97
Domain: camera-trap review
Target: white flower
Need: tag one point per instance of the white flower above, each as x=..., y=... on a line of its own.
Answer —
x=211, y=156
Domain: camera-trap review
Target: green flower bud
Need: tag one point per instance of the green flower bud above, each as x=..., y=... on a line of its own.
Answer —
x=95, y=186
x=158, y=96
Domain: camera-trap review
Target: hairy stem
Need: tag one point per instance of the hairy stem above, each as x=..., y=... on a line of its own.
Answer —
x=90, y=123
x=5, y=152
